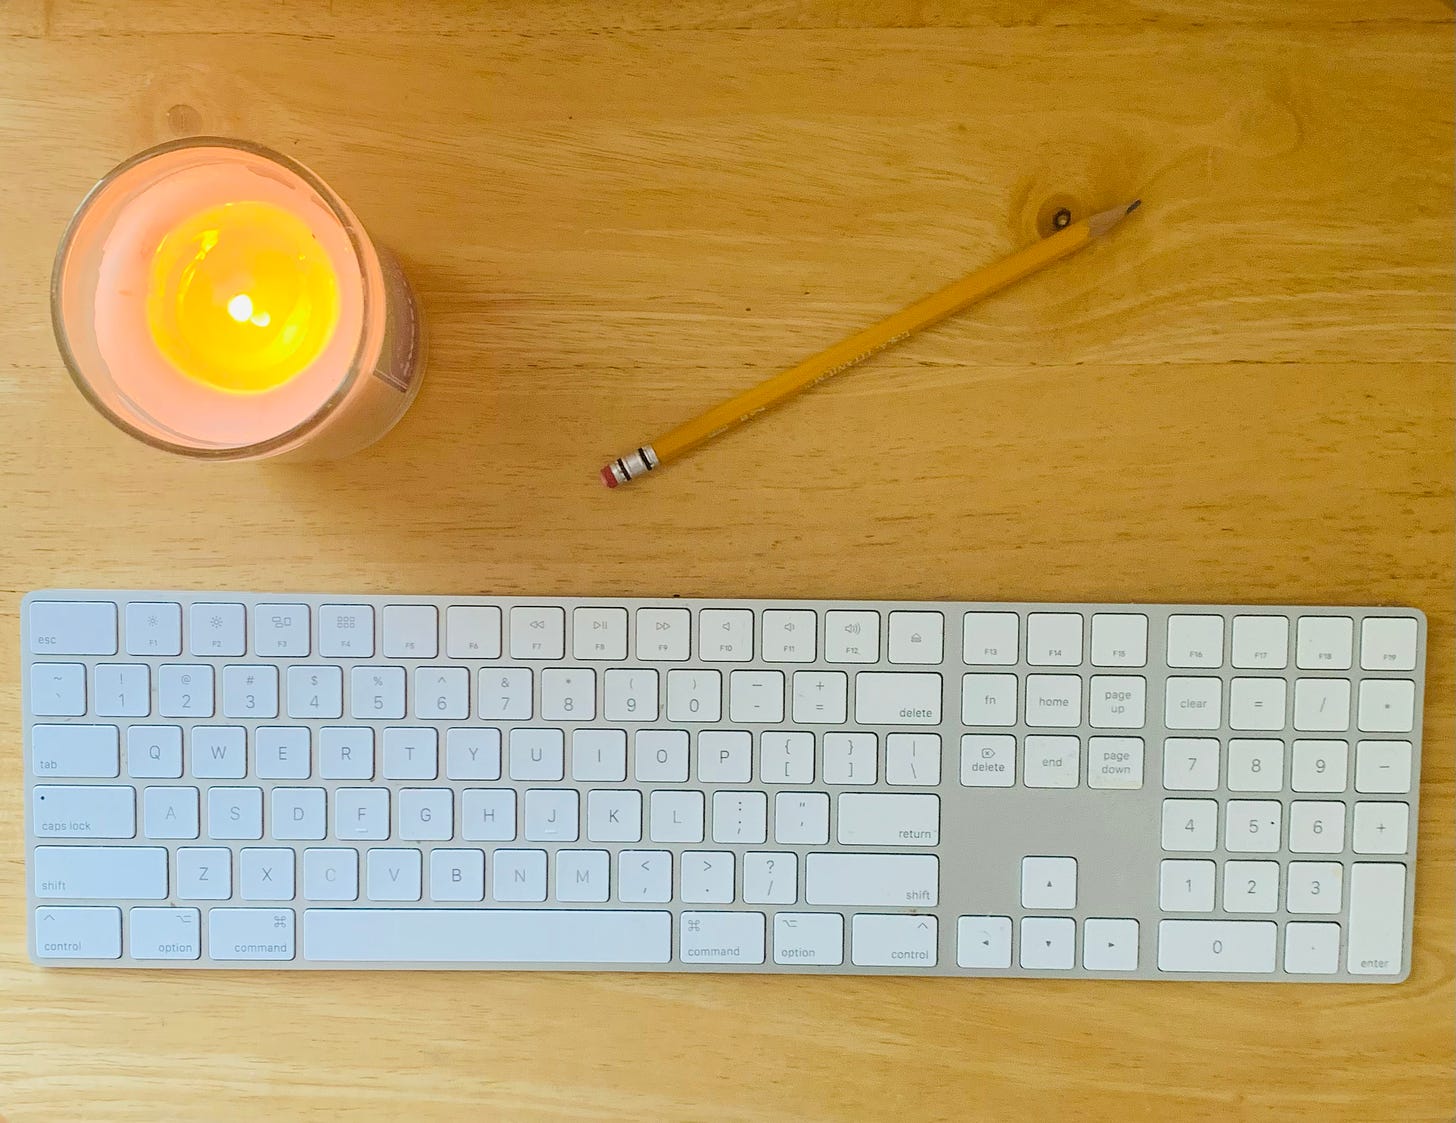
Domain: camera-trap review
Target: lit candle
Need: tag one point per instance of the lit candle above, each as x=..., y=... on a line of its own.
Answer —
x=215, y=299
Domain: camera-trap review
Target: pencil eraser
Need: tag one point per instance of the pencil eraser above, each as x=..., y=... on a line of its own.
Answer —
x=607, y=476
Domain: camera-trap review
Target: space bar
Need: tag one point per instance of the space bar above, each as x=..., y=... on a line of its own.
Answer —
x=486, y=936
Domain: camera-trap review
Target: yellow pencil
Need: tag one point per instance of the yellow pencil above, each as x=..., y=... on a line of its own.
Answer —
x=860, y=346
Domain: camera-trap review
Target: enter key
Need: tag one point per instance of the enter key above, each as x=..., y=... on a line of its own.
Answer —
x=889, y=820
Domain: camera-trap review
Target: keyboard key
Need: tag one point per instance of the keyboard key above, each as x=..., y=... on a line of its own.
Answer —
x=1054, y=639
x=772, y=878
x=815, y=938
x=983, y=942
x=1315, y=887
x=1117, y=702
x=788, y=636
x=820, y=697
x=1383, y=766
x=582, y=876
x=707, y=877
x=661, y=756
x=1387, y=705
x=75, y=750
x=786, y=758
x=346, y=631
x=912, y=759
x=505, y=693
x=1119, y=640
x=1252, y=826
x=1388, y=643
x=851, y=637
x=721, y=937
x=890, y=698
x=319, y=692
x=265, y=873
x=1193, y=703
x=412, y=631
x=907, y=880
x=614, y=816
x=801, y=818
x=598, y=755
x=487, y=936
x=1316, y=827
x=1311, y=949
x=250, y=691
x=413, y=754
x=1053, y=701
x=1109, y=944
x=281, y=630
x=1250, y=886
x=332, y=874
x=185, y=691
x=298, y=813
x=346, y=753
x=725, y=756
x=537, y=754
x=1255, y=765
x=850, y=758
x=281, y=753
x=538, y=633
x=694, y=696
x=917, y=637
x=154, y=752
x=1115, y=763
x=1048, y=943
x=756, y=697
x=1184, y=886
x=1190, y=824
x=457, y=875
x=235, y=813
x=518, y=875
x=1257, y=703
x=394, y=875
x=988, y=700
x=204, y=873
x=165, y=933
x=487, y=815
x=643, y=877
x=629, y=695
x=1049, y=883
x=169, y=813
x=1195, y=641
x=154, y=628
x=83, y=811
x=725, y=635
x=89, y=932
x=1376, y=918
x=1324, y=643
x=551, y=815
x=599, y=633
x=122, y=690
x=664, y=634
x=889, y=820
x=1381, y=828
x=362, y=814
x=1261, y=642
x=441, y=693
x=1052, y=762
x=1320, y=766
x=217, y=629
x=893, y=941
x=990, y=638
x=568, y=694
x=250, y=934
x=72, y=627
x=219, y=752
x=473, y=631
x=57, y=689
x=78, y=873
x=473, y=754
x=1217, y=946
x=676, y=817
x=988, y=761
x=1190, y=764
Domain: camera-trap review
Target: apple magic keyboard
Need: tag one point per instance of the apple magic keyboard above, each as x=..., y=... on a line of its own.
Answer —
x=293, y=781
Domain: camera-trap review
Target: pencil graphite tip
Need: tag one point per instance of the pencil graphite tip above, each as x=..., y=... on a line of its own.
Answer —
x=1104, y=221
x=1134, y=205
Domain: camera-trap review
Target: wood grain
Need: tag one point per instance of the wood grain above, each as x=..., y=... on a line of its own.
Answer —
x=618, y=214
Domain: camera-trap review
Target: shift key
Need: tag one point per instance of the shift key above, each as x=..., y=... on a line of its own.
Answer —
x=872, y=879
x=83, y=811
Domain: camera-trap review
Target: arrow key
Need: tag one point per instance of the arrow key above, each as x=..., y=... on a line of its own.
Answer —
x=1109, y=945
x=983, y=941
x=1048, y=943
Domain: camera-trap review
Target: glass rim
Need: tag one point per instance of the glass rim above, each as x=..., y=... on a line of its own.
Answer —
x=359, y=243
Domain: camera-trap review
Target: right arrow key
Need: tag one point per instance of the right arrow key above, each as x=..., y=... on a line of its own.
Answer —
x=1109, y=944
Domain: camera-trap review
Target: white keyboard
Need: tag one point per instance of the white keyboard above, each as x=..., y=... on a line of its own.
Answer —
x=1110, y=791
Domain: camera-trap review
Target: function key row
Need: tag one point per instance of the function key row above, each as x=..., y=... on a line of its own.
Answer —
x=723, y=635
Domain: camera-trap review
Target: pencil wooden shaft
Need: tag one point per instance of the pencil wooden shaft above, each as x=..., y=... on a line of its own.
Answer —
x=863, y=344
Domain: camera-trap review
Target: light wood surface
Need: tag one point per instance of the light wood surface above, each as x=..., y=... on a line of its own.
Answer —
x=619, y=214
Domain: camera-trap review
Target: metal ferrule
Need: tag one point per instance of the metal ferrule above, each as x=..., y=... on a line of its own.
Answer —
x=634, y=464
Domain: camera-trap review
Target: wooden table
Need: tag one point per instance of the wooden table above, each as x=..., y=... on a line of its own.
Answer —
x=616, y=214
